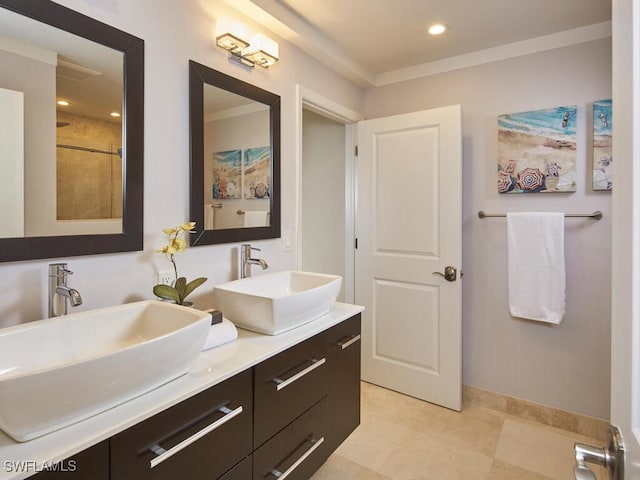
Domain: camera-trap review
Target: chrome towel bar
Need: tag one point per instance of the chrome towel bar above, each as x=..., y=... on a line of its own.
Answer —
x=597, y=215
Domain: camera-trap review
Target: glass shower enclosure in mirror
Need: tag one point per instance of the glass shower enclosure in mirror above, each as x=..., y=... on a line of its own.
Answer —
x=235, y=159
x=71, y=131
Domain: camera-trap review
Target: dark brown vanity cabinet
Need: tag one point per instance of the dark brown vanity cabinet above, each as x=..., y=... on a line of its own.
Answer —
x=310, y=396
x=281, y=418
x=200, y=438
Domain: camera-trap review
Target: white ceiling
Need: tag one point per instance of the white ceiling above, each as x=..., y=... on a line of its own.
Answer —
x=368, y=40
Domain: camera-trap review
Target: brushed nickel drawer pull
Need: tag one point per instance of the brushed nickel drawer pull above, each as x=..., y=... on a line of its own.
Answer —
x=163, y=454
x=349, y=342
x=280, y=384
x=282, y=475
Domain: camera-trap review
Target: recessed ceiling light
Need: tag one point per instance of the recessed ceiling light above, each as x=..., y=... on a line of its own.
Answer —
x=114, y=114
x=64, y=103
x=437, y=29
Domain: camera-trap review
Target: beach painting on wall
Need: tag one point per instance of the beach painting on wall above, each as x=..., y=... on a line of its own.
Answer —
x=537, y=151
x=226, y=173
x=257, y=172
x=602, y=141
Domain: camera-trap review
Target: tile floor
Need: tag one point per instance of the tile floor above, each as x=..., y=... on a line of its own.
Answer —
x=402, y=438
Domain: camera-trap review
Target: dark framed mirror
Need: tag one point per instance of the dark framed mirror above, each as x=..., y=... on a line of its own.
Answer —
x=50, y=56
x=235, y=158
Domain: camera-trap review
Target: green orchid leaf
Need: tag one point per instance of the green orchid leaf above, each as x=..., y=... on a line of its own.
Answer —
x=192, y=285
x=166, y=292
x=181, y=283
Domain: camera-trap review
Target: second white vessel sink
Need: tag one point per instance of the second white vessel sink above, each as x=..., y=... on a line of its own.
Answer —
x=273, y=303
x=57, y=371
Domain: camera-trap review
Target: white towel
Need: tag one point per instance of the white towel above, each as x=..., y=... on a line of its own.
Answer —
x=255, y=218
x=535, y=244
x=209, y=217
x=220, y=333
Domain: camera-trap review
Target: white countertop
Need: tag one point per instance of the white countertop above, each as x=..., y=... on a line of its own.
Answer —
x=209, y=368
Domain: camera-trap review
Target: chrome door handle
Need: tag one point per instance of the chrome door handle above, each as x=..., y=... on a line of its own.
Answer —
x=450, y=273
x=611, y=457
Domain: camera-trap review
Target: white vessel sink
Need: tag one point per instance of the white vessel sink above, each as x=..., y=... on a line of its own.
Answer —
x=57, y=371
x=273, y=303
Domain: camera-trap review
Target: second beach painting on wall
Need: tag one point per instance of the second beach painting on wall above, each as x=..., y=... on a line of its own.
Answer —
x=602, y=143
x=257, y=168
x=537, y=151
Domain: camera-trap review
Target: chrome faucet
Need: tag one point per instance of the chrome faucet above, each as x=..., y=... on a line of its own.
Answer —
x=247, y=261
x=59, y=292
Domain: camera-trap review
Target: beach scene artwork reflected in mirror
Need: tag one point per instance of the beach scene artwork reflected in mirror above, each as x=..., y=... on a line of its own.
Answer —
x=237, y=162
x=537, y=151
x=257, y=172
x=226, y=174
x=602, y=142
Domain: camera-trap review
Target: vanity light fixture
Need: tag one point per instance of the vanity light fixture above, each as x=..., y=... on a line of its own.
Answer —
x=260, y=50
x=114, y=114
x=63, y=103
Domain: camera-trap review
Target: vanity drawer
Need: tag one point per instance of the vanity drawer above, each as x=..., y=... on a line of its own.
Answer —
x=287, y=385
x=297, y=451
x=202, y=437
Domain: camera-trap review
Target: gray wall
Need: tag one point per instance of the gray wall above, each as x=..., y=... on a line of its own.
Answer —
x=540, y=363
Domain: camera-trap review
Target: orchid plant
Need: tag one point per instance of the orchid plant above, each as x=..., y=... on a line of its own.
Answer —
x=180, y=289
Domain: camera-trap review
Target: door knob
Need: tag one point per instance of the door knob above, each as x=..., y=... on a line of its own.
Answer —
x=611, y=457
x=450, y=273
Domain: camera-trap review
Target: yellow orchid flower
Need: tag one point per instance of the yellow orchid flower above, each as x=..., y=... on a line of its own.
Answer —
x=179, y=244
x=180, y=289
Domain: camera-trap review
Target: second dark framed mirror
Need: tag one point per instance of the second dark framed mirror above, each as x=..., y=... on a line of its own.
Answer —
x=235, y=158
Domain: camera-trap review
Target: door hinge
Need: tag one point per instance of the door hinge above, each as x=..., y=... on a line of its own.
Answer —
x=356, y=150
x=356, y=243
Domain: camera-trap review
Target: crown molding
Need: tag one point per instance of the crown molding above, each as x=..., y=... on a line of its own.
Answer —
x=496, y=54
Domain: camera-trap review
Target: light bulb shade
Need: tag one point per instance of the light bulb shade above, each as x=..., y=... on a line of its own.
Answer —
x=262, y=51
x=231, y=42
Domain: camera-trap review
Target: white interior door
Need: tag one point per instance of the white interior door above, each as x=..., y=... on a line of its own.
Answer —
x=408, y=224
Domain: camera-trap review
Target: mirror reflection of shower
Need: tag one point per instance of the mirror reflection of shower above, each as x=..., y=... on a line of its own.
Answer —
x=88, y=168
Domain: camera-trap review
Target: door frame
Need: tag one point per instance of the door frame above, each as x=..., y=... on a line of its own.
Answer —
x=625, y=313
x=317, y=103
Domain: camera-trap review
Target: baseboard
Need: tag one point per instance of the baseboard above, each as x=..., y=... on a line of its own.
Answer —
x=551, y=416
